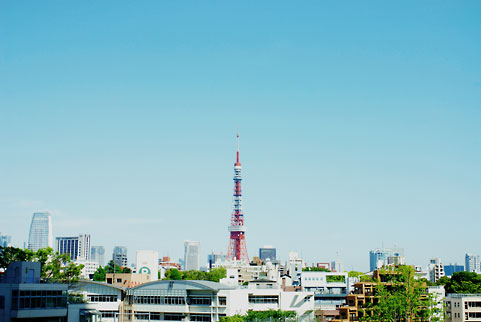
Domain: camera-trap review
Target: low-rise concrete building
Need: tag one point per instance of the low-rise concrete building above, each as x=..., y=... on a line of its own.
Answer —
x=24, y=298
x=463, y=307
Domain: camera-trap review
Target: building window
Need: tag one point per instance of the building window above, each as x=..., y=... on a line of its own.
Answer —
x=102, y=298
x=173, y=317
x=200, y=317
x=222, y=300
x=263, y=299
x=198, y=300
x=164, y=300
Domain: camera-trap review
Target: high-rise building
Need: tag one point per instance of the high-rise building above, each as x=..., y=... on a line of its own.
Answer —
x=97, y=254
x=191, y=255
x=5, y=240
x=78, y=248
x=237, y=250
x=453, y=268
x=473, y=263
x=385, y=256
x=119, y=256
x=40, y=235
x=267, y=252
x=435, y=269
x=215, y=260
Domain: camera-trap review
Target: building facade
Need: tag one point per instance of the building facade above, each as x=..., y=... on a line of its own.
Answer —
x=24, y=298
x=463, y=307
x=148, y=263
x=191, y=255
x=472, y=263
x=119, y=256
x=385, y=256
x=97, y=254
x=78, y=248
x=5, y=240
x=453, y=268
x=435, y=269
x=40, y=235
x=267, y=252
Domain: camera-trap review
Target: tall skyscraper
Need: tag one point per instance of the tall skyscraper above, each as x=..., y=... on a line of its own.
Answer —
x=267, y=252
x=78, y=248
x=40, y=235
x=97, y=255
x=191, y=255
x=237, y=250
x=119, y=256
x=5, y=240
x=472, y=263
x=385, y=256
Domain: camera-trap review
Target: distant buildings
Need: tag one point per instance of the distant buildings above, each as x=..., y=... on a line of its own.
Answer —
x=40, y=235
x=191, y=255
x=267, y=252
x=5, y=240
x=119, y=256
x=472, y=263
x=97, y=254
x=78, y=248
x=453, y=268
x=385, y=256
x=435, y=269
x=214, y=260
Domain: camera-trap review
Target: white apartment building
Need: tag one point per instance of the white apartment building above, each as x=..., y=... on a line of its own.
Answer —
x=463, y=307
x=472, y=263
x=330, y=290
x=435, y=269
x=90, y=267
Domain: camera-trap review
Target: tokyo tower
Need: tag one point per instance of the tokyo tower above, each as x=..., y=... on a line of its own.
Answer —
x=237, y=250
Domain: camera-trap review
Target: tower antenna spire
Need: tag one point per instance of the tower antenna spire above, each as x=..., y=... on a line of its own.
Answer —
x=237, y=250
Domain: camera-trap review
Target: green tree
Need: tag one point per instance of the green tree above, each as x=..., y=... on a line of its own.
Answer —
x=216, y=274
x=99, y=274
x=401, y=298
x=13, y=254
x=462, y=282
x=315, y=269
x=234, y=318
x=113, y=268
x=173, y=274
x=54, y=267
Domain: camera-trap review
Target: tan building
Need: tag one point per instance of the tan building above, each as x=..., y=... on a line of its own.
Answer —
x=463, y=307
x=126, y=279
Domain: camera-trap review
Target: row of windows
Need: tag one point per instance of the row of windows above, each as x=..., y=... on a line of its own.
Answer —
x=102, y=298
x=39, y=302
x=16, y=293
x=109, y=314
x=170, y=300
x=261, y=299
x=474, y=314
x=473, y=304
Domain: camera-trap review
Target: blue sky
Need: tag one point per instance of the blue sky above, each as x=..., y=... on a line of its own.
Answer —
x=360, y=124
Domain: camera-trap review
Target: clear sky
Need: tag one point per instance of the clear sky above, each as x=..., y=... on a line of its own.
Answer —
x=360, y=124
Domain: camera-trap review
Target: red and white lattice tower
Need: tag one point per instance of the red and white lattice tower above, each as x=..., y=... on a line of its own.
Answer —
x=237, y=250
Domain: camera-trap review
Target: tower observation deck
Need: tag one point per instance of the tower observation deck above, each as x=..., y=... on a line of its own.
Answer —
x=237, y=250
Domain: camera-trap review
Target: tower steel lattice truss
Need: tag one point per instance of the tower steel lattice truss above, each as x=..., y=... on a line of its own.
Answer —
x=237, y=250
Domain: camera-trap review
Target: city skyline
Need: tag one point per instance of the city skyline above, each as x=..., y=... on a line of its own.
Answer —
x=359, y=123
